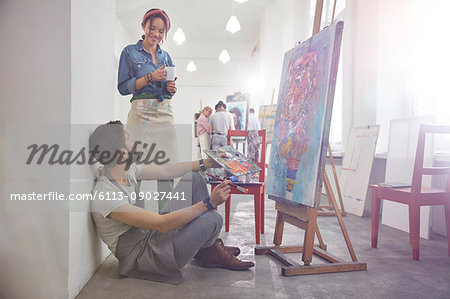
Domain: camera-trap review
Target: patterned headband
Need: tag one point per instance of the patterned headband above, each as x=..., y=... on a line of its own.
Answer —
x=157, y=11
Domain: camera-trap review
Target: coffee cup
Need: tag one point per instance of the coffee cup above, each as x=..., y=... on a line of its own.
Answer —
x=171, y=72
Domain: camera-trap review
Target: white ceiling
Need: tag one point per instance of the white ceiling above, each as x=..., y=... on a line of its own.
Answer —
x=201, y=20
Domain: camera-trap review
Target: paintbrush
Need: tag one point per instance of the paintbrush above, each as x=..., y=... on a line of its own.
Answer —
x=245, y=190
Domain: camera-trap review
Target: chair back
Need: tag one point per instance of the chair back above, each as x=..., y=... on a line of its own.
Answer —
x=262, y=157
x=419, y=169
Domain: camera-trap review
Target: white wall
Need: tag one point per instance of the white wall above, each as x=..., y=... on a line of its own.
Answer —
x=92, y=103
x=34, y=90
x=57, y=70
x=283, y=24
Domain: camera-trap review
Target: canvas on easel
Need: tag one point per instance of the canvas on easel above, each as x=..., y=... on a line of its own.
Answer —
x=298, y=153
x=356, y=167
x=302, y=123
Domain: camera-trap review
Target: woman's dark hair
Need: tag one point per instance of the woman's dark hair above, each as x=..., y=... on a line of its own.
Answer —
x=162, y=15
x=106, y=142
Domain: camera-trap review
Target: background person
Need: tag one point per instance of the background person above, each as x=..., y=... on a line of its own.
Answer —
x=221, y=122
x=253, y=121
x=204, y=130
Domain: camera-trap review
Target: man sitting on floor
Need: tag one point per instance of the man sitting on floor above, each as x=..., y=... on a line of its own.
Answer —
x=149, y=245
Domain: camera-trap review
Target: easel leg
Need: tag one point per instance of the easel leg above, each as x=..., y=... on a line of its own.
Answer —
x=333, y=167
x=279, y=227
x=319, y=238
x=310, y=233
x=340, y=220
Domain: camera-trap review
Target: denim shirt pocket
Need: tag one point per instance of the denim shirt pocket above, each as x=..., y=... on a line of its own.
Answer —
x=141, y=62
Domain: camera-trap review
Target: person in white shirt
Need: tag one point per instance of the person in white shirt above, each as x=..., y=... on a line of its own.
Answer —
x=221, y=122
x=253, y=121
x=149, y=245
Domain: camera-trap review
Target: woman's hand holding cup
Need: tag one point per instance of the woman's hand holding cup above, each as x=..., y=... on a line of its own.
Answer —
x=159, y=74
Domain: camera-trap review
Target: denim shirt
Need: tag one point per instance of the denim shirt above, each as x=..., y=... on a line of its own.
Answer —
x=135, y=62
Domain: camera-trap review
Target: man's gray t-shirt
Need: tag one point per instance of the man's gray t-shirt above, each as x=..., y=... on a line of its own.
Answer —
x=221, y=122
x=110, y=229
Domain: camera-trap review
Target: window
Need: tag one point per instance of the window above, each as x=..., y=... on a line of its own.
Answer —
x=413, y=63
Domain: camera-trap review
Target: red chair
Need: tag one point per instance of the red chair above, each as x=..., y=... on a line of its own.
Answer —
x=417, y=195
x=257, y=189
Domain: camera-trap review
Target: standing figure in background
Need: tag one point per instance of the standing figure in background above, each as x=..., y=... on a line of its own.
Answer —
x=254, y=140
x=221, y=122
x=142, y=72
x=253, y=121
x=204, y=131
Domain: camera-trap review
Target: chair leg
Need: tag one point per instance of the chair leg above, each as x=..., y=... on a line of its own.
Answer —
x=263, y=198
x=414, y=229
x=447, y=224
x=257, y=200
x=376, y=202
x=227, y=213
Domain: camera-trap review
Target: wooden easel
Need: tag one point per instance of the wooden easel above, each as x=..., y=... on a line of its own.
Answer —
x=329, y=210
x=305, y=217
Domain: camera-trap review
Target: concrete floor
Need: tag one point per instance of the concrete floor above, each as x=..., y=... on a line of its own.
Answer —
x=391, y=272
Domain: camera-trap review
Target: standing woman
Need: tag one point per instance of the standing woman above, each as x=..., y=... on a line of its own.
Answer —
x=142, y=73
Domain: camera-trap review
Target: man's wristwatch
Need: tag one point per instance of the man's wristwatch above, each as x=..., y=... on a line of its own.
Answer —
x=202, y=165
x=208, y=204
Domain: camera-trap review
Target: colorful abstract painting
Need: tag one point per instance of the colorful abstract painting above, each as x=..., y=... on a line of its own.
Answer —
x=302, y=123
x=239, y=112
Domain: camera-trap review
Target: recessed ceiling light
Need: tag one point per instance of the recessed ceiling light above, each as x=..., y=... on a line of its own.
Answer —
x=233, y=25
x=224, y=56
x=179, y=36
x=191, y=67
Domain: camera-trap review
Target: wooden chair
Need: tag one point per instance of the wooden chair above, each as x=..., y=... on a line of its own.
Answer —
x=257, y=189
x=417, y=195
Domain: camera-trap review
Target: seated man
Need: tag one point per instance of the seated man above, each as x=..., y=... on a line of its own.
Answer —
x=149, y=245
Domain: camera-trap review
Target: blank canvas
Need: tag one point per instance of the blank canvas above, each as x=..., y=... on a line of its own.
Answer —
x=356, y=167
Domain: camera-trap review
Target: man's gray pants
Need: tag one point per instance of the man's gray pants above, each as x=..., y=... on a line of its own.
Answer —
x=201, y=232
x=152, y=255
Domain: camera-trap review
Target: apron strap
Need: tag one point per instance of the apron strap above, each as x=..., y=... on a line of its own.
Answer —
x=139, y=200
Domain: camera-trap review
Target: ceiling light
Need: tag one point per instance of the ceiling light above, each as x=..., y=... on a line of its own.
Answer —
x=224, y=56
x=191, y=67
x=241, y=1
x=179, y=36
x=233, y=25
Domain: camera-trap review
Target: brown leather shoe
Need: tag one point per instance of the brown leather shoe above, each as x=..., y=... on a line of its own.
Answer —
x=217, y=256
x=233, y=250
